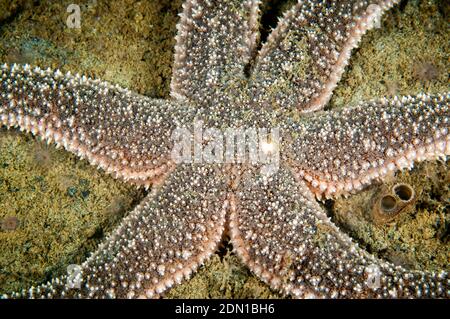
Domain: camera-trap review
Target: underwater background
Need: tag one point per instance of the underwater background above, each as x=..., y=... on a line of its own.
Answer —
x=55, y=209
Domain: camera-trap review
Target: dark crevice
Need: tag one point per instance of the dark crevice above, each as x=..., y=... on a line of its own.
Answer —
x=271, y=11
x=444, y=9
x=402, y=5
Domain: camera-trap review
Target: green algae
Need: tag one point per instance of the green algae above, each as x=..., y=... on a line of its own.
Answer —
x=65, y=207
x=407, y=55
x=417, y=238
x=126, y=42
x=223, y=277
x=8, y=8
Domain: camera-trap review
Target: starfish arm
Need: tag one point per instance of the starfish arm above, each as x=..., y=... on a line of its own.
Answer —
x=304, y=57
x=341, y=151
x=284, y=236
x=126, y=134
x=215, y=40
x=172, y=232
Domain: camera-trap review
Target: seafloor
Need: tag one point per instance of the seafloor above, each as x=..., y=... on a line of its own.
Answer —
x=55, y=208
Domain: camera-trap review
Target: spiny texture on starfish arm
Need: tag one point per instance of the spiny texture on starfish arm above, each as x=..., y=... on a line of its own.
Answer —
x=124, y=133
x=285, y=237
x=204, y=63
x=342, y=151
x=275, y=224
x=161, y=242
x=305, y=56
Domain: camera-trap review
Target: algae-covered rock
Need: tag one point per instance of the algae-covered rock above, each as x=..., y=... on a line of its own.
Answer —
x=8, y=8
x=407, y=55
x=55, y=208
x=223, y=276
x=418, y=237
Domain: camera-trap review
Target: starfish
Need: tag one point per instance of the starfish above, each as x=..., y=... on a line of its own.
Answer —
x=222, y=81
